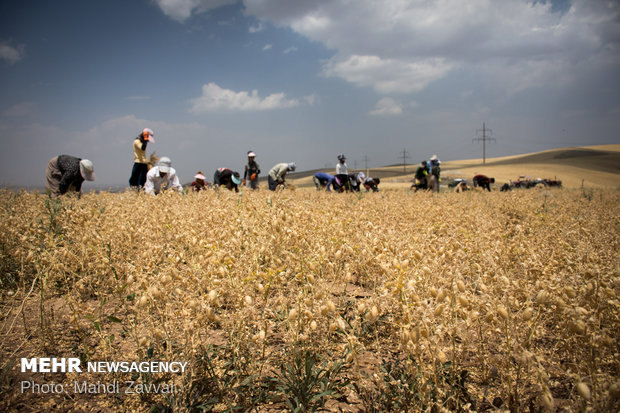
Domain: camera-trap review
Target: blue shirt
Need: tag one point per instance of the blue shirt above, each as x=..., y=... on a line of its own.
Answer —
x=322, y=176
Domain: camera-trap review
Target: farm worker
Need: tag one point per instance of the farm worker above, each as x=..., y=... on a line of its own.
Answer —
x=252, y=170
x=342, y=177
x=199, y=182
x=277, y=174
x=140, y=162
x=372, y=183
x=227, y=178
x=322, y=179
x=356, y=179
x=420, y=180
x=341, y=166
x=461, y=187
x=162, y=175
x=435, y=172
x=483, y=182
x=66, y=172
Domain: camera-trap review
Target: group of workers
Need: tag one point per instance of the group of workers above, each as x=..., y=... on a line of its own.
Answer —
x=343, y=181
x=66, y=172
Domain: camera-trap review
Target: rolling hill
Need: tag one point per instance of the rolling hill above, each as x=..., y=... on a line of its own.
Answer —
x=590, y=166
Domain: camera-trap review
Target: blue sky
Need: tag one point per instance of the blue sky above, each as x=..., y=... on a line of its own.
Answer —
x=301, y=81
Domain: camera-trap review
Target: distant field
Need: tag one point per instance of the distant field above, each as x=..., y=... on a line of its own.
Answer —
x=592, y=166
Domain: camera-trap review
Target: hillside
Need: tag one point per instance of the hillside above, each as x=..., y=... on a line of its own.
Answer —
x=592, y=166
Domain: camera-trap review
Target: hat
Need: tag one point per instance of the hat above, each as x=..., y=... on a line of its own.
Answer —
x=149, y=134
x=235, y=178
x=291, y=166
x=251, y=154
x=199, y=176
x=164, y=164
x=341, y=157
x=434, y=158
x=87, y=170
x=361, y=176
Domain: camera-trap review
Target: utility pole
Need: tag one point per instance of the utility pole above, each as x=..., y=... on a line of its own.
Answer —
x=484, y=140
x=366, y=164
x=405, y=157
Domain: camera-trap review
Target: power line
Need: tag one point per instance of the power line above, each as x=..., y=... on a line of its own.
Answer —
x=484, y=140
x=405, y=157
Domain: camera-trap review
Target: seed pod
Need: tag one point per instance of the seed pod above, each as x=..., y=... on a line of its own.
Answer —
x=584, y=390
x=441, y=356
x=547, y=400
x=527, y=314
x=503, y=313
x=439, y=310
x=577, y=327
x=143, y=301
x=463, y=301
x=313, y=325
x=248, y=300
x=155, y=293
x=331, y=307
x=461, y=286
x=570, y=292
x=292, y=314
x=338, y=254
x=261, y=288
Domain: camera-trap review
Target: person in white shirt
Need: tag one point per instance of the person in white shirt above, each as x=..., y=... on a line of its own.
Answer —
x=341, y=166
x=162, y=176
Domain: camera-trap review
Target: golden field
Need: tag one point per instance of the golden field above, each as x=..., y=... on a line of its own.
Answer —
x=300, y=300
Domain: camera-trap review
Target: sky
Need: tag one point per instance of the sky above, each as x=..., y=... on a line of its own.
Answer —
x=301, y=81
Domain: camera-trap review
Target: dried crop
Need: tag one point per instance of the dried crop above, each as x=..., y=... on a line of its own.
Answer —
x=304, y=300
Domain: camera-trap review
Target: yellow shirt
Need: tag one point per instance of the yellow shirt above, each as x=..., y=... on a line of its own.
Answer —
x=139, y=155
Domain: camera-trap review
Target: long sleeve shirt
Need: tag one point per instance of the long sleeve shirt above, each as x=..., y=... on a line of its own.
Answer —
x=325, y=178
x=69, y=167
x=278, y=172
x=139, y=151
x=154, y=181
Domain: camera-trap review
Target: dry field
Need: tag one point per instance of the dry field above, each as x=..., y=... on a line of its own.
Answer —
x=298, y=300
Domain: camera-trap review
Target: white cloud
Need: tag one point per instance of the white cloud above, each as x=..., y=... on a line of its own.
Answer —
x=403, y=45
x=180, y=10
x=290, y=50
x=11, y=54
x=267, y=47
x=386, y=107
x=388, y=75
x=215, y=98
x=255, y=29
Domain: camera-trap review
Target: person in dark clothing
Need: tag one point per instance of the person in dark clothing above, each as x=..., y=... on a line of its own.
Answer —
x=435, y=178
x=198, y=183
x=140, y=162
x=66, y=172
x=483, y=182
x=421, y=177
x=252, y=170
x=227, y=178
x=372, y=183
x=356, y=179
